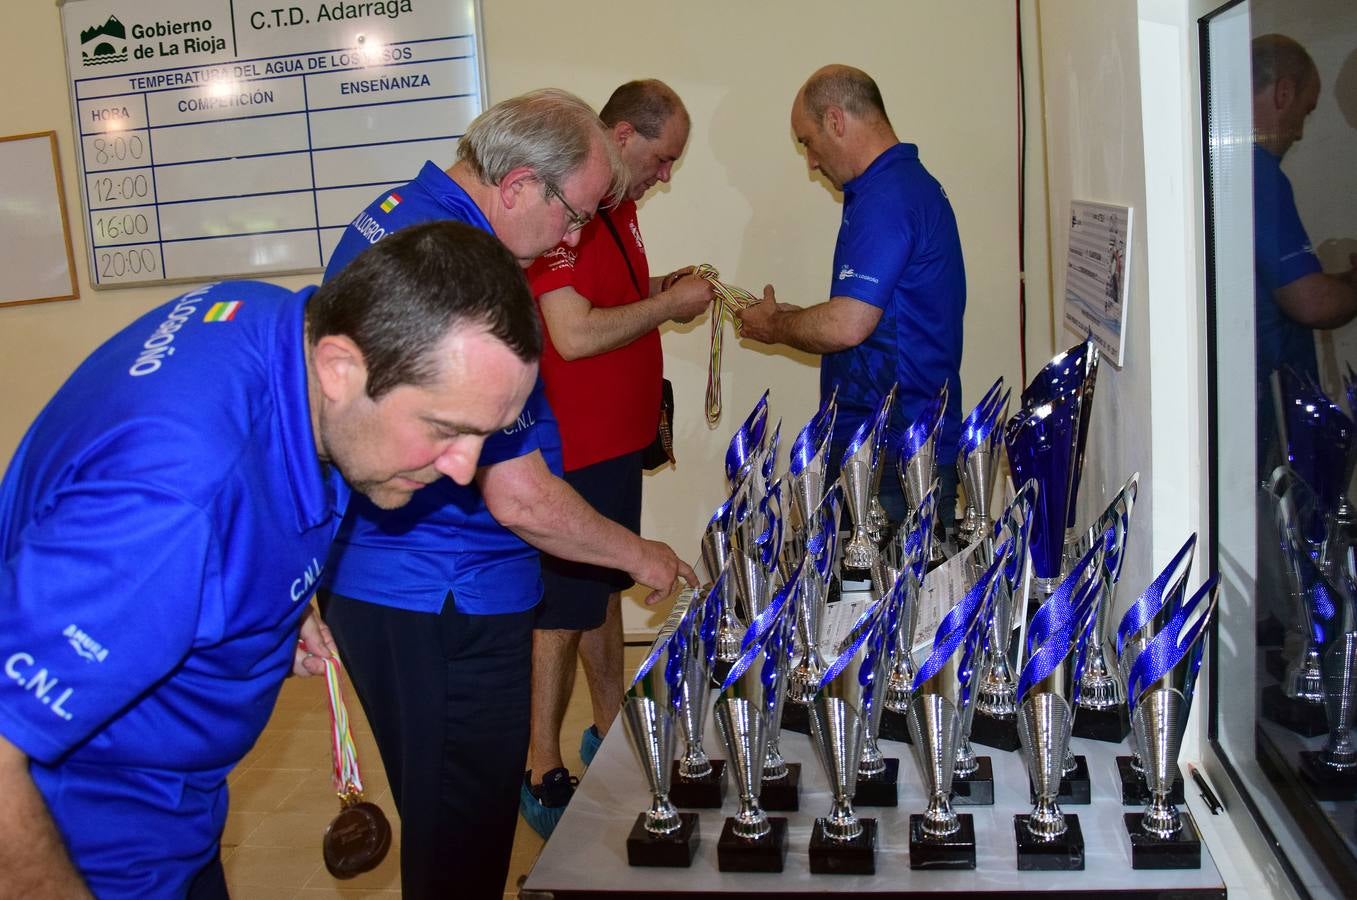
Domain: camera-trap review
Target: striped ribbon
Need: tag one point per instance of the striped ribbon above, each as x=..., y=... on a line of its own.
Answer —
x=725, y=304
x=348, y=782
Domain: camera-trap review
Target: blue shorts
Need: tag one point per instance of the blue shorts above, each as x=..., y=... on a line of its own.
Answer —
x=575, y=595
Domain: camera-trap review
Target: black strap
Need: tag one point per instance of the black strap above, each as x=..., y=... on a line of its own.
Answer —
x=612, y=229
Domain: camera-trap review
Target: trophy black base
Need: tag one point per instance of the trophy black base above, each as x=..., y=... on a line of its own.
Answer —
x=1324, y=781
x=955, y=852
x=1134, y=790
x=1064, y=854
x=999, y=732
x=668, y=850
x=894, y=727
x=796, y=717
x=976, y=789
x=1301, y=716
x=766, y=854
x=1270, y=632
x=698, y=793
x=846, y=574
x=1182, y=851
x=1075, y=789
x=855, y=857
x=782, y=794
x=882, y=789
x=1110, y=725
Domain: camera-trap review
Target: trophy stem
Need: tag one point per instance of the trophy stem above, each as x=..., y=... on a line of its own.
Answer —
x=842, y=823
x=1161, y=818
x=662, y=817
x=860, y=552
x=1070, y=765
x=774, y=765
x=1099, y=688
x=899, y=687
x=728, y=636
x=1046, y=822
x=966, y=762
x=939, y=820
x=998, y=695
x=695, y=763
x=872, y=762
x=750, y=822
x=1305, y=676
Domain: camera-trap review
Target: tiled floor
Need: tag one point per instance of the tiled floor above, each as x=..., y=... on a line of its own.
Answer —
x=282, y=799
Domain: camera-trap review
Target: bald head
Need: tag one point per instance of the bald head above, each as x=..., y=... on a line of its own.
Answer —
x=1285, y=92
x=850, y=89
x=1277, y=57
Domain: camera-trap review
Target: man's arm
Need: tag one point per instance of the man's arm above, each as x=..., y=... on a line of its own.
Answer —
x=579, y=329
x=1319, y=300
x=836, y=324
x=32, y=856
x=526, y=498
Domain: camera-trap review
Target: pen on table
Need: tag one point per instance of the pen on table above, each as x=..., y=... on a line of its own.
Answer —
x=1208, y=796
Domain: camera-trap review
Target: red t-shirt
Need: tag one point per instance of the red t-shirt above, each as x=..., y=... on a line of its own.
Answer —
x=609, y=404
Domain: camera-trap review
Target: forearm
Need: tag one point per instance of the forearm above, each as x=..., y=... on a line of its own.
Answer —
x=32, y=856
x=607, y=328
x=557, y=520
x=814, y=329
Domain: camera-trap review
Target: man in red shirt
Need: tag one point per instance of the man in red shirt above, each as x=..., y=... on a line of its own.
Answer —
x=602, y=366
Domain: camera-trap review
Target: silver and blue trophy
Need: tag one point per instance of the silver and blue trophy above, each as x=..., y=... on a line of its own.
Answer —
x=697, y=781
x=996, y=709
x=977, y=462
x=943, y=691
x=877, y=520
x=1139, y=625
x=878, y=774
x=840, y=713
x=916, y=460
x=715, y=559
x=662, y=836
x=1160, y=690
x=857, y=475
x=1048, y=689
x=1102, y=695
x=905, y=558
x=747, y=711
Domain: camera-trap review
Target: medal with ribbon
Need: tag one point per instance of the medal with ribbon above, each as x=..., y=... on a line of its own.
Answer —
x=358, y=839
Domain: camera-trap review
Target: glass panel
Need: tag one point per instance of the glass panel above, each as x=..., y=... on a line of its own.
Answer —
x=1281, y=124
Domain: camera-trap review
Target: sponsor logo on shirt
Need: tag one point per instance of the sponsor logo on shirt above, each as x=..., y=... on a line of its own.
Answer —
x=21, y=668
x=85, y=645
x=391, y=202
x=158, y=347
x=304, y=583
x=559, y=258
x=367, y=228
x=847, y=272
x=223, y=312
x=636, y=234
x=524, y=421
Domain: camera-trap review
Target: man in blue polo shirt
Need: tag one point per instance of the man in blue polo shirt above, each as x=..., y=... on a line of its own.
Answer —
x=166, y=518
x=432, y=605
x=1292, y=295
x=898, y=289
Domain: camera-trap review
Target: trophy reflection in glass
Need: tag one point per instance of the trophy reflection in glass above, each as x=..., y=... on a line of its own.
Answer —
x=943, y=690
x=747, y=710
x=843, y=843
x=1057, y=639
x=1140, y=624
x=996, y=708
x=978, y=461
x=1160, y=687
x=1102, y=696
x=662, y=836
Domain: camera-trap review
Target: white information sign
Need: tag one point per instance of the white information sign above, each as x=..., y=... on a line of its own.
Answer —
x=238, y=137
x=1095, y=275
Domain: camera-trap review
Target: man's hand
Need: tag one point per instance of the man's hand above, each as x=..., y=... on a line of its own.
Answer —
x=314, y=646
x=758, y=322
x=668, y=281
x=659, y=567
x=687, y=297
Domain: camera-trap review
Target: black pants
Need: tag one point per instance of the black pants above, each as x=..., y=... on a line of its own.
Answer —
x=447, y=698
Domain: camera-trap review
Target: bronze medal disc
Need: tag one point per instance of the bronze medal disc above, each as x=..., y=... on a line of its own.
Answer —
x=357, y=840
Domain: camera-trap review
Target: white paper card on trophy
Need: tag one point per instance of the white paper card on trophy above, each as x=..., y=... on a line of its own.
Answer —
x=841, y=617
x=1096, y=288
x=216, y=138
x=942, y=588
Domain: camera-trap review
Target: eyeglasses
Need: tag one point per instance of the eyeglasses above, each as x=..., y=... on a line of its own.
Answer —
x=577, y=221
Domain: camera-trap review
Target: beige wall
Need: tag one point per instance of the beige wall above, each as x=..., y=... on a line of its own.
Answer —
x=741, y=198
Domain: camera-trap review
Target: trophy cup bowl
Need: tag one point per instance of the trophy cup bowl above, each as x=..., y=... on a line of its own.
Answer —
x=1069, y=377
x=698, y=781
x=715, y=558
x=746, y=444
x=1041, y=448
x=1162, y=683
x=943, y=689
x=855, y=475
x=662, y=836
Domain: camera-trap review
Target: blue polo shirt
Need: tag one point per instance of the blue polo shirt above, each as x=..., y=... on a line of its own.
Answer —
x=1282, y=254
x=445, y=539
x=163, y=524
x=899, y=250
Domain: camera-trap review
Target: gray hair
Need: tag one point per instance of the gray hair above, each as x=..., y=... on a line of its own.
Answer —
x=550, y=131
x=1276, y=56
x=850, y=89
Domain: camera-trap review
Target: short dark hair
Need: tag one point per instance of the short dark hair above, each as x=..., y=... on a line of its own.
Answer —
x=850, y=89
x=399, y=298
x=647, y=104
x=1276, y=56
